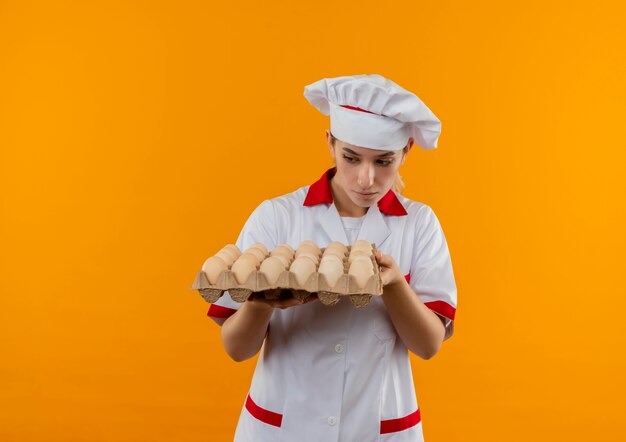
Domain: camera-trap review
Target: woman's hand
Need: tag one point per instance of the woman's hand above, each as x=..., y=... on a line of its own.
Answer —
x=390, y=273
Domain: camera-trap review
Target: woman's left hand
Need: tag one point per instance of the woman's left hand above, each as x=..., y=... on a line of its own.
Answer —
x=390, y=273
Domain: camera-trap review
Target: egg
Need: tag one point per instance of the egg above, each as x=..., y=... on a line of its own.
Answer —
x=226, y=256
x=306, y=248
x=242, y=268
x=232, y=247
x=213, y=267
x=332, y=271
x=361, y=249
x=309, y=243
x=357, y=253
x=361, y=271
x=333, y=258
x=363, y=258
x=334, y=252
x=337, y=245
x=282, y=250
x=250, y=258
x=260, y=246
x=272, y=267
x=283, y=259
x=362, y=243
x=302, y=268
x=256, y=252
x=312, y=257
x=286, y=246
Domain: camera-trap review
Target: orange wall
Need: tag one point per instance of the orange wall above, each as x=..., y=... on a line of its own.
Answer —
x=137, y=136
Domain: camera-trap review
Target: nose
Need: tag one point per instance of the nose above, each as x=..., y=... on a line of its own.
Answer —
x=366, y=176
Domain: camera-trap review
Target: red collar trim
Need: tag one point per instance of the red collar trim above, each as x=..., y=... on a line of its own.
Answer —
x=319, y=193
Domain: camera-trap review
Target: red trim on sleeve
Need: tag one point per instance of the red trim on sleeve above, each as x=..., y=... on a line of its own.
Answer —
x=441, y=307
x=217, y=311
x=269, y=417
x=394, y=425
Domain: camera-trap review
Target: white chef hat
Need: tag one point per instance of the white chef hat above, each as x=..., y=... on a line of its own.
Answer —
x=374, y=112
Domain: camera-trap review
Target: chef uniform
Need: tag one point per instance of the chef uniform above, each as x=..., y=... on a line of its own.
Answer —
x=340, y=373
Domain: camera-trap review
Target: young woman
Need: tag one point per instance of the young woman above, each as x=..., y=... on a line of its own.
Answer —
x=338, y=373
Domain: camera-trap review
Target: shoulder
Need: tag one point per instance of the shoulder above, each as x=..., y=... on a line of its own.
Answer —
x=420, y=215
x=291, y=199
x=288, y=203
x=415, y=209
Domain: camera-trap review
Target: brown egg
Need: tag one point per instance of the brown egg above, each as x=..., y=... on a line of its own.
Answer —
x=282, y=250
x=337, y=245
x=335, y=252
x=242, y=268
x=302, y=268
x=357, y=253
x=248, y=257
x=360, y=249
x=256, y=252
x=332, y=271
x=213, y=267
x=361, y=271
x=227, y=255
x=309, y=243
x=311, y=256
x=362, y=243
x=363, y=258
x=307, y=248
x=333, y=258
x=261, y=247
x=272, y=267
x=283, y=259
x=232, y=247
x=286, y=246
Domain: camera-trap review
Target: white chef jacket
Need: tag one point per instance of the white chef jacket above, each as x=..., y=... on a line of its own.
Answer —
x=338, y=373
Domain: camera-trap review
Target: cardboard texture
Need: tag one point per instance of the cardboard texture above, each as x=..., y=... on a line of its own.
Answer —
x=287, y=285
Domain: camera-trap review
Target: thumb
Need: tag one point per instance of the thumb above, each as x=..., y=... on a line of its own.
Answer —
x=382, y=260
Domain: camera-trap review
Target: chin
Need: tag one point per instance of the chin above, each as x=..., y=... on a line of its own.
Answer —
x=364, y=204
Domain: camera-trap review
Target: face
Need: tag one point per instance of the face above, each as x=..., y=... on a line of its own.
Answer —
x=365, y=175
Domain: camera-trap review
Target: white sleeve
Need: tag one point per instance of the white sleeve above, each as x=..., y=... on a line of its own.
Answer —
x=431, y=275
x=260, y=227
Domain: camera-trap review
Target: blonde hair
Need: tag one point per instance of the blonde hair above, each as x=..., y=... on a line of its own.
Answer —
x=398, y=185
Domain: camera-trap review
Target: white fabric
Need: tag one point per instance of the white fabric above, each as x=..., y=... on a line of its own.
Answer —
x=400, y=114
x=351, y=226
x=300, y=373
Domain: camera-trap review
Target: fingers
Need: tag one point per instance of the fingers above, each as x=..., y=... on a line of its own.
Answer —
x=383, y=260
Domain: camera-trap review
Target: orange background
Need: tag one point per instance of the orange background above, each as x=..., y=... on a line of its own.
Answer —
x=137, y=136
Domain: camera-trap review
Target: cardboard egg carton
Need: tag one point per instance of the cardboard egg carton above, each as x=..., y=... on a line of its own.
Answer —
x=257, y=282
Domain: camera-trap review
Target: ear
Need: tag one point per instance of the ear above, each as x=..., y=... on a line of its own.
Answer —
x=329, y=141
x=408, y=149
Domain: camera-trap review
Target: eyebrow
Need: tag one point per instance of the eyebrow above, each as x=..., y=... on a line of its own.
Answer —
x=386, y=154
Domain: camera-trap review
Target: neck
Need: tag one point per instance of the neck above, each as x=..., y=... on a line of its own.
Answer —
x=343, y=203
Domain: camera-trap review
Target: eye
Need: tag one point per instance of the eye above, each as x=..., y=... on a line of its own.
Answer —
x=350, y=159
x=385, y=163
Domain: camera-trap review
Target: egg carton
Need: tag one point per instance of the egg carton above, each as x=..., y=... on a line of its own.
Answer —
x=346, y=286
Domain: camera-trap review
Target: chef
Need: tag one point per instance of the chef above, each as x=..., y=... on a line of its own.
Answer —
x=338, y=373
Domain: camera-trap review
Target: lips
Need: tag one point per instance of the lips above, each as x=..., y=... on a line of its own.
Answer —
x=366, y=195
